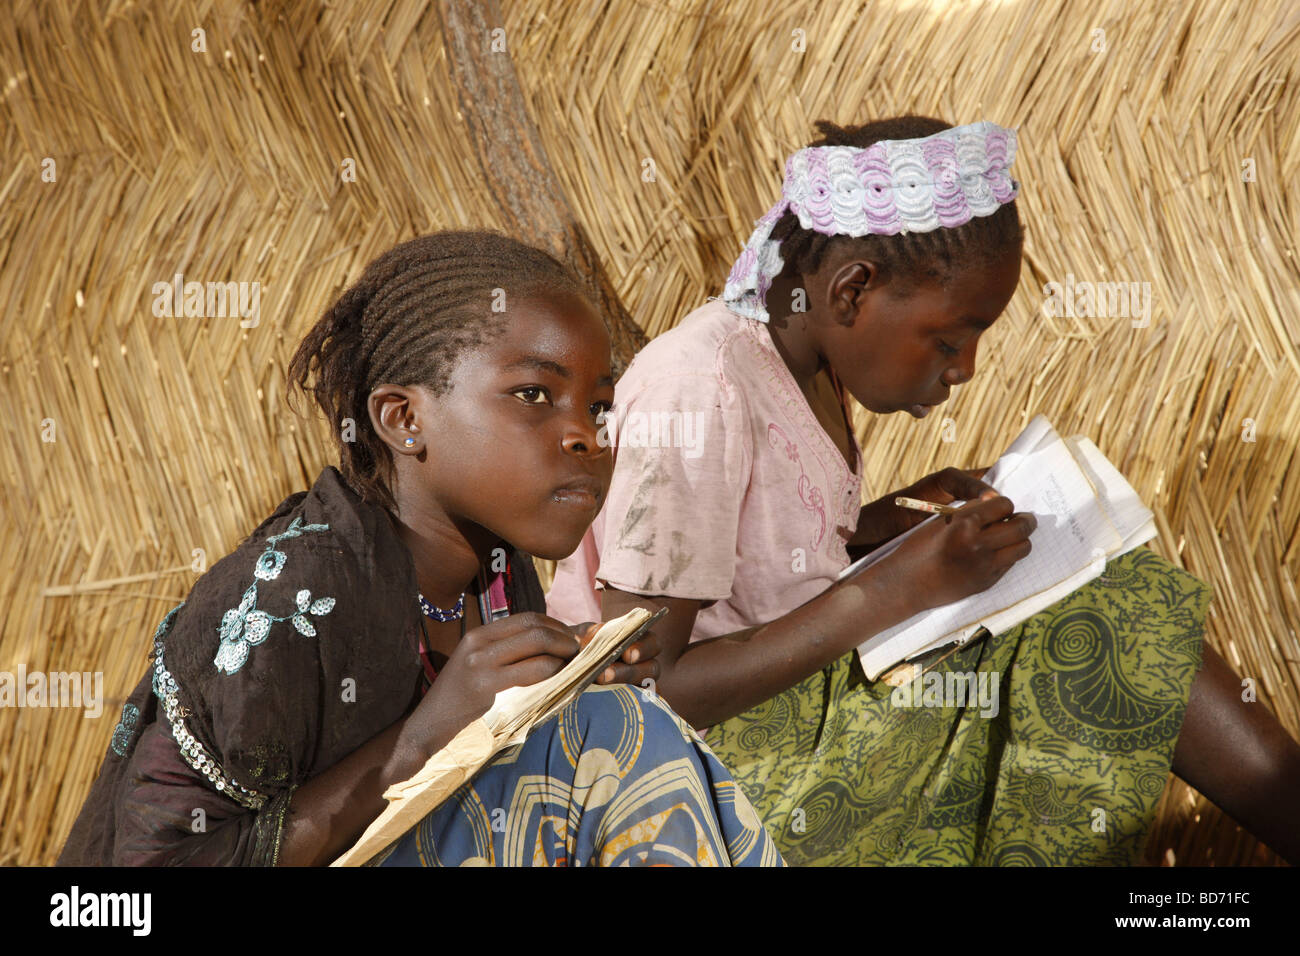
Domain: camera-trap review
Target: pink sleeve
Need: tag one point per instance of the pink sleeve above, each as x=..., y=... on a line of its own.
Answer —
x=682, y=460
x=572, y=597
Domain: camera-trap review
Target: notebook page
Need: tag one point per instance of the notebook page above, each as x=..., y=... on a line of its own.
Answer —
x=1037, y=435
x=1131, y=519
x=1118, y=499
x=1047, y=481
x=1133, y=522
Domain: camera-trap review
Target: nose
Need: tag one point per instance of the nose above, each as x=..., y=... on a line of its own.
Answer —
x=964, y=369
x=581, y=437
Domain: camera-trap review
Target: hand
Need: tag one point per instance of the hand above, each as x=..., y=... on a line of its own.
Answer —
x=516, y=651
x=963, y=553
x=637, y=662
x=882, y=520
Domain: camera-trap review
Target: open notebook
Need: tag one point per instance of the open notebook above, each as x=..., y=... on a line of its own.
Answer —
x=514, y=713
x=1087, y=514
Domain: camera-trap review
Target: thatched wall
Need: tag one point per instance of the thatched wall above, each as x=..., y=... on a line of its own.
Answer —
x=171, y=434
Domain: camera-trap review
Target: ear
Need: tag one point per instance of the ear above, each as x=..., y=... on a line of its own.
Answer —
x=397, y=413
x=847, y=289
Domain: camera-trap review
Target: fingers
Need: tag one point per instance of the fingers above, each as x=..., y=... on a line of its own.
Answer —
x=1012, y=553
x=644, y=649
x=985, y=510
x=529, y=671
x=620, y=673
x=584, y=632
x=963, y=485
x=638, y=662
x=539, y=648
x=522, y=636
x=1011, y=532
x=1000, y=526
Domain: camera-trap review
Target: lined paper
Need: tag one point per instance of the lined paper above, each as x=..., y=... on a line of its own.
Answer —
x=1087, y=513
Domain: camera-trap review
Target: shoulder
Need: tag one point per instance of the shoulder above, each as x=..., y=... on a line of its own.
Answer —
x=711, y=350
x=322, y=592
x=323, y=583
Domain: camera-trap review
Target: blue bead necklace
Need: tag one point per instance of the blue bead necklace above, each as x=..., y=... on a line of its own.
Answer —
x=438, y=614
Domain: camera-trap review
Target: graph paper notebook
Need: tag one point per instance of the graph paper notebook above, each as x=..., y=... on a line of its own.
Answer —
x=1087, y=514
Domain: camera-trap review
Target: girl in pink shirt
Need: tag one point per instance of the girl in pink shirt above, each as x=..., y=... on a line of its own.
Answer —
x=735, y=503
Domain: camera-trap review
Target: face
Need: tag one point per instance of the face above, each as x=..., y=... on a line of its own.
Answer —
x=905, y=352
x=512, y=445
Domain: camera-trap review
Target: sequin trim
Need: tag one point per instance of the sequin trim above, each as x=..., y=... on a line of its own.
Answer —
x=193, y=752
x=244, y=627
x=125, y=729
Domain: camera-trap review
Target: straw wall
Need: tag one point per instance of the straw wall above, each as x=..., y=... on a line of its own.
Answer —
x=170, y=435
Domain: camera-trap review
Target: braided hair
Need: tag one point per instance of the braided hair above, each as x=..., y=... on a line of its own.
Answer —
x=914, y=258
x=407, y=321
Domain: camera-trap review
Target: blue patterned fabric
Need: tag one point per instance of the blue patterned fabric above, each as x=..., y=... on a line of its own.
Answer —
x=615, y=779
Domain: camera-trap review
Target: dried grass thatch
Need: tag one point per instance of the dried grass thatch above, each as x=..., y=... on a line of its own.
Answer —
x=171, y=434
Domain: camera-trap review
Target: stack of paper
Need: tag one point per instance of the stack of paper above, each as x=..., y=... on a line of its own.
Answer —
x=1087, y=514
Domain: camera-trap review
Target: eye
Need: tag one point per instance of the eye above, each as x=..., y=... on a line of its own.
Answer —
x=600, y=409
x=947, y=349
x=531, y=393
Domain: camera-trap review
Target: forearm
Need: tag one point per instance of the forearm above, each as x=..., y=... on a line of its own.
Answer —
x=330, y=811
x=715, y=680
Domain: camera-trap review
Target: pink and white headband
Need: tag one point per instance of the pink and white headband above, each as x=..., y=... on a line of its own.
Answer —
x=891, y=187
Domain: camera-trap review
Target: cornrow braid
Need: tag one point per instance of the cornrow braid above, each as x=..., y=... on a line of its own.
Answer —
x=407, y=321
x=912, y=258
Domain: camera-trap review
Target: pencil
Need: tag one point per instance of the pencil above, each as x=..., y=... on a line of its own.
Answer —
x=916, y=505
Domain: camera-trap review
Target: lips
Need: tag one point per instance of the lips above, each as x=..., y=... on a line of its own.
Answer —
x=581, y=491
x=921, y=409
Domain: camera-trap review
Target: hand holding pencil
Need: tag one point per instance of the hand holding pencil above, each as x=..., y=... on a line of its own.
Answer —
x=933, y=494
x=965, y=554
x=916, y=504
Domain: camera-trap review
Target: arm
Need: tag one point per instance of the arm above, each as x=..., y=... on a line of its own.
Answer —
x=715, y=680
x=964, y=553
x=329, y=812
x=313, y=823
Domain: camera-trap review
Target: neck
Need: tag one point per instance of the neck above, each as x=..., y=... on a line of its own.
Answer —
x=446, y=561
x=792, y=331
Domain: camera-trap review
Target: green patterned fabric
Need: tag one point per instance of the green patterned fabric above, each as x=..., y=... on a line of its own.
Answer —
x=1066, y=769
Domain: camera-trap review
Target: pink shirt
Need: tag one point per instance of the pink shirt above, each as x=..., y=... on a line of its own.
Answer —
x=726, y=487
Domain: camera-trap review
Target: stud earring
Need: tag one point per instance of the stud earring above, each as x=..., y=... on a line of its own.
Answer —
x=410, y=442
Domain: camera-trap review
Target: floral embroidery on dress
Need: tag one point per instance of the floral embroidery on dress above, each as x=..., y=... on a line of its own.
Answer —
x=125, y=729
x=848, y=496
x=245, y=626
x=809, y=494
